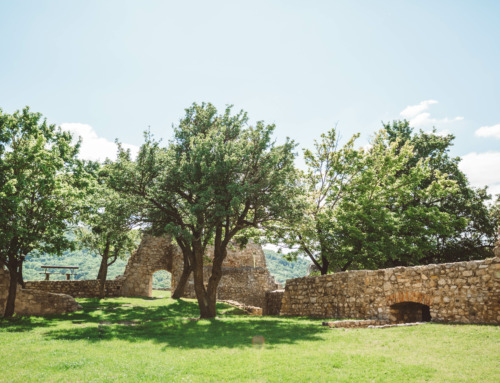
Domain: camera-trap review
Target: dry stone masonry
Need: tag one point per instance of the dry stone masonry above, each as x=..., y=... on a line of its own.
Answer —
x=245, y=275
x=77, y=289
x=35, y=302
x=463, y=292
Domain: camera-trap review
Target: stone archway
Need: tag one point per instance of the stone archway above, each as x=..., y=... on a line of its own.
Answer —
x=245, y=276
x=153, y=254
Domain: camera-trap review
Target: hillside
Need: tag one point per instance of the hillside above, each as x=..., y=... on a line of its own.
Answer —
x=89, y=266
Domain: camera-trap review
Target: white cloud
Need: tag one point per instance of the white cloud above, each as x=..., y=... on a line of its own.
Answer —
x=418, y=116
x=413, y=110
x=489, y=131
x=483, y=169
x=93, y=147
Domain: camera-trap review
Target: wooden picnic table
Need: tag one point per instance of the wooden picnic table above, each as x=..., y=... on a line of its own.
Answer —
x=68, y=274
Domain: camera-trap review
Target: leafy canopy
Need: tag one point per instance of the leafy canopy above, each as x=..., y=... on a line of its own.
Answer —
x=41, y=182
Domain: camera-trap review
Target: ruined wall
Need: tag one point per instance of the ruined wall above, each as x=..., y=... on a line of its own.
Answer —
x=246, y=285
x=35, y=302
x=245, y=275
x=153, y=254
x=464, y=292
x=77, y=289
x=272, y=305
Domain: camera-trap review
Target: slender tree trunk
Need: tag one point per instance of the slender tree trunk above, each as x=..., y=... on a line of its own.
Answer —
x=20, y=278
x=103, y=271
x=186, y=272
x=102, y=278
x=11, y=298
x=324, y=265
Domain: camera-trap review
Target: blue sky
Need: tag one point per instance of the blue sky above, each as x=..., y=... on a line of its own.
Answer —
x=111, y=69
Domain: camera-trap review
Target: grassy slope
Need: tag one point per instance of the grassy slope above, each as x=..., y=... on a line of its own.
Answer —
x=168, y=346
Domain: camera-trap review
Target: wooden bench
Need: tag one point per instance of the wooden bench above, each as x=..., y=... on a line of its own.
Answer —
x=67, y=273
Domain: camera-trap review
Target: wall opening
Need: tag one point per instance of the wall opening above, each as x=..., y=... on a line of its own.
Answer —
x=162, y=280
x=408, y=312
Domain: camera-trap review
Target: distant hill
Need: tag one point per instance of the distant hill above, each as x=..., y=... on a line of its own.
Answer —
x=282, y=270
x=88, y=264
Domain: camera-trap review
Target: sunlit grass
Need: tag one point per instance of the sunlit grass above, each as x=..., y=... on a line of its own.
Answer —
x=159, y=339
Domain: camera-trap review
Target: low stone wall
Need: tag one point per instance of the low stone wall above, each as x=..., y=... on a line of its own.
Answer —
x=78, y=289
x=272, y=305
x=247, y=285
x=354, y=323
x=463, y=292
x=34, y=302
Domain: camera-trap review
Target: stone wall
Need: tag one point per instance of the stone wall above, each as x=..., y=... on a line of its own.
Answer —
x=152, y=255
x=245, y=275
x=35, y=302
x=78, y=289
x=246, y=285
x=272, y=305
x=464, y=292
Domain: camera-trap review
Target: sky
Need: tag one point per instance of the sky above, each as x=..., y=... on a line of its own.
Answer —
x=109, y=70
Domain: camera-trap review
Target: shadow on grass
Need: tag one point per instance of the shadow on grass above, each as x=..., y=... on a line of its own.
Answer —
x=23, y=324
x=175, y=326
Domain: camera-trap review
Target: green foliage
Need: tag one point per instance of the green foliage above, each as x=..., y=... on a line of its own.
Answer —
x=473, y=223
x=217, y=181
x=391, y=210
x=403, y=201
x=41, y=183
x=109, y=221
x=282, y=269
x=41, y=187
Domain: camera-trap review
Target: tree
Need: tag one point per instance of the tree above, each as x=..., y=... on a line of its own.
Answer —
x=474, y=226
x=109, y=223
x=218, y=179
x=391, y=210
x=330, y=169
x=40, y=184
x=357, y=213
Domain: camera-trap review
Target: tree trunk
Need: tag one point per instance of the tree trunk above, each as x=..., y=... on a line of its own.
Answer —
x=186, y=272
x=20, y=278
x=324, y=265
x=206, y=302
x=11, y=298
x=103, y=271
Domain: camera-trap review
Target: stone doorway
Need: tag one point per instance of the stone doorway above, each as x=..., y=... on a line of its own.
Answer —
x=161, y=280
x=408, y=312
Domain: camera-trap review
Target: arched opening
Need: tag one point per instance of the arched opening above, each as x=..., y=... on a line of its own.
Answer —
x=161, y=281
x=408, y=312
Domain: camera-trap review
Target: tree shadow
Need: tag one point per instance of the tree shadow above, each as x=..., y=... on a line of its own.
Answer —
x=176, y=325
x=23, y=323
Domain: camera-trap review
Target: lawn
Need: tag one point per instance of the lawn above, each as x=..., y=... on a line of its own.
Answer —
x=159, y=340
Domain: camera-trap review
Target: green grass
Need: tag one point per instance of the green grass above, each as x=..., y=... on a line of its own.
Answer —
x=165, y=344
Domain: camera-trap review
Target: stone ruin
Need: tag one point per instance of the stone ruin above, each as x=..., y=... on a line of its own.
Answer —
x=35, y=302
x=245, y=276
x=462, y=292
